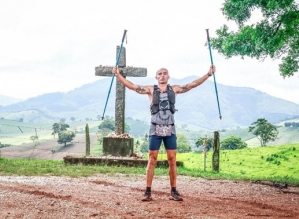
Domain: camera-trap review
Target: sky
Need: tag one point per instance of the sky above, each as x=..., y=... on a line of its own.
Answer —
x=54, y=45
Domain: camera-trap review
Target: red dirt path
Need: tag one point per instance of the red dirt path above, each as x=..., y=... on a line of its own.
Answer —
x=104, y=196
x=119, y=196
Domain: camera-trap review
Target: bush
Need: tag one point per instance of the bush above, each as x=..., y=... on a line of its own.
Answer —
x=232, y=143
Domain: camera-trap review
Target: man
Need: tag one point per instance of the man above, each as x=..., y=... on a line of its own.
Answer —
x=162, y=99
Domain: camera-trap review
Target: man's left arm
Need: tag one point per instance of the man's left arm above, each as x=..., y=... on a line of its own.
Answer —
x=179, y=89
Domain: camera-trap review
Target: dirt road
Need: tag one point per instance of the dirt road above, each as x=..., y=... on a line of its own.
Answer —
x=119, y=196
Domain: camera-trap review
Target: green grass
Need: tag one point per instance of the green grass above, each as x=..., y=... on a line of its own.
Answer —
x=34, y=167
x=272, y=163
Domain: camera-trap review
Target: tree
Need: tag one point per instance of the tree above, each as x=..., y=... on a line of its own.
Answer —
x=287, y=124
x=34, y=139
x=127, y=128
x=65, y=136
x=291, y=124
x=59, y=127
x=264, y=131
x=275, y=36
x=107, y=124
x=55, y=128
x=183, y=144
x=295, y=124
x=202, y=141
x=137, y=145
x=73, y=119
x=144, y=145
x=232, y=143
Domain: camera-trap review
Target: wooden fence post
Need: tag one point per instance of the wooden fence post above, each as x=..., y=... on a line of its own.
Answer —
x=215, y=157
x=87, y=140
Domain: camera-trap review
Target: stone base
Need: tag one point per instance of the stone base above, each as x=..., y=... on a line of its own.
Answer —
x=119, y=161
x=123, y=147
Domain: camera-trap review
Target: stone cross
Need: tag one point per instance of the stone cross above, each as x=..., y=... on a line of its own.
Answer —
x=120, y=88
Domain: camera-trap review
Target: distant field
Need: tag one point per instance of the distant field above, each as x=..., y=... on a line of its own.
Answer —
x=17, y=133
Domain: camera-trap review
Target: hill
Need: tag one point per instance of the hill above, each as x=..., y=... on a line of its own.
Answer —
x=5, y=100
x=240, y=106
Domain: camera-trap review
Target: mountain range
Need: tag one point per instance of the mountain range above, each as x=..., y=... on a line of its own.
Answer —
x=239, y=106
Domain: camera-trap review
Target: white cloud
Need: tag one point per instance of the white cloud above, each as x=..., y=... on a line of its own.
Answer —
x=49, y=46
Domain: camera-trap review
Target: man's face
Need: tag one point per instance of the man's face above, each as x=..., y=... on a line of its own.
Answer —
x=162, y=76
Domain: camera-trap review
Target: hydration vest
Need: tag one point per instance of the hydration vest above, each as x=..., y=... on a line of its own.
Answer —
x=165, y=103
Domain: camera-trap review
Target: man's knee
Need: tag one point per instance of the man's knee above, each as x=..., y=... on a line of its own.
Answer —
x=172, y=162
x=152, y=159
x=171, y=159
x=152, y=162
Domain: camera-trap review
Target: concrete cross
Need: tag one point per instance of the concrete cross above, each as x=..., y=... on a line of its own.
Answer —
x=120, y=89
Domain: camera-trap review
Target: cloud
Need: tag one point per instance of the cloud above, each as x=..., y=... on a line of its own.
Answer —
x=50, y=46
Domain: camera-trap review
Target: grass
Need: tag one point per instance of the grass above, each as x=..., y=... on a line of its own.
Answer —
x=34, y=167
x=271, y=163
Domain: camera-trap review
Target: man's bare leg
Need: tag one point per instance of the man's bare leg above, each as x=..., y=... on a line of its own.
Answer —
x=171, y=157
x=150, y=170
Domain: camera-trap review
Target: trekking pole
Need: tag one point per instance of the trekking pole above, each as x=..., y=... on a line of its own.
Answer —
x=208, y=39
x=116, y=65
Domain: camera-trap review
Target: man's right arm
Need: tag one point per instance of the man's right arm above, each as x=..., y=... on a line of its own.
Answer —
x=138, y=88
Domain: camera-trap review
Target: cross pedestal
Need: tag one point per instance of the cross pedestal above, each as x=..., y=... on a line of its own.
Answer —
x=120, y=93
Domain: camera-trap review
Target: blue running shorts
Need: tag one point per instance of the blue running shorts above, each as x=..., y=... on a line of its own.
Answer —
x=156, y=141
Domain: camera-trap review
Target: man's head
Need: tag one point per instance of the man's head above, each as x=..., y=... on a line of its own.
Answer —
x=162, y=76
